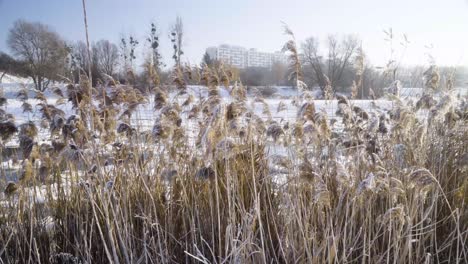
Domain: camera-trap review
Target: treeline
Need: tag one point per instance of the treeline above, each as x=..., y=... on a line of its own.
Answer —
x=340, y=65
x=43, y=55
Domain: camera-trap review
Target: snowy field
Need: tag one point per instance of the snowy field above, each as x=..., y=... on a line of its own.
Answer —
x=280, y=107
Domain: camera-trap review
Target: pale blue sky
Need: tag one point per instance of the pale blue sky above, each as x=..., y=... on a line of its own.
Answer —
x=257, y=24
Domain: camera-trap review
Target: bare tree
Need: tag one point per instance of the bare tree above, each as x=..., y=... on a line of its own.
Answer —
x=177, y=39
x=331, y=69
x=103, y=56
x=153, y=40
x=124, y=54
x=314, y=61
x=80, y=55
x=42, y=49
x=127, y=48
x=128, y=54
x=107, y=55
x=340, y=55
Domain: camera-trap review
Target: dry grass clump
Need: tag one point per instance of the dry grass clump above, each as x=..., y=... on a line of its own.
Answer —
x=7, y=129
x=206, y=185
x=3, y=99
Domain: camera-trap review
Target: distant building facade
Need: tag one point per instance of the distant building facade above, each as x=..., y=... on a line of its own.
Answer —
x=242, y=58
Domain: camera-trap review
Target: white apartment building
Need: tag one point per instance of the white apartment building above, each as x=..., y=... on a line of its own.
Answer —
x=259, y=59
x=241, y=57
x=280, y=57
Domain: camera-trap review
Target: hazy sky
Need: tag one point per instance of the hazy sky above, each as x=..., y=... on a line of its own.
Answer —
x=257, y=24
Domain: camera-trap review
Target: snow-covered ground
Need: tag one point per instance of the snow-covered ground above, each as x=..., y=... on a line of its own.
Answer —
x=10, y=79
x=144, y=117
